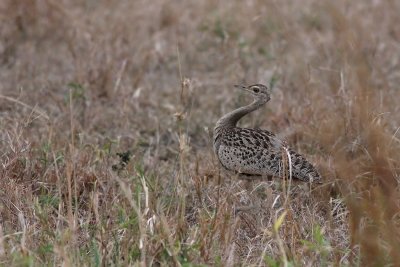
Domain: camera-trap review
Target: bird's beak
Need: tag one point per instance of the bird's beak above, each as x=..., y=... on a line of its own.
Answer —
x=242, y=87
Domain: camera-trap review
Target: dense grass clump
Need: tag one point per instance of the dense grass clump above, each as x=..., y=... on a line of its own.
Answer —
x=106, y=116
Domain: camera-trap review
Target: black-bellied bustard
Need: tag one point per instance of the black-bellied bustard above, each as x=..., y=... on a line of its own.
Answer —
x=256, y=152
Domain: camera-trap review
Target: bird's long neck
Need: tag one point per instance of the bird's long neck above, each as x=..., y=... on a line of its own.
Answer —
x=230, y=120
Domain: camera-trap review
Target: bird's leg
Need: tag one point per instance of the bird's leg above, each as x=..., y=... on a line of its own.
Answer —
x=269, y=177
x=248, y=177
x=248, y=186
x=248, y=180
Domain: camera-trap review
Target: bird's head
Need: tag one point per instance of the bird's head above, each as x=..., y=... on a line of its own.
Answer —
x=259, y=91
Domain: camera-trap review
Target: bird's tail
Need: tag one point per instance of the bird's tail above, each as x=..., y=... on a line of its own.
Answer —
x=302, y=169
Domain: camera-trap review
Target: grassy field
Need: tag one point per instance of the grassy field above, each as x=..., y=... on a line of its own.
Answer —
x=106, y=115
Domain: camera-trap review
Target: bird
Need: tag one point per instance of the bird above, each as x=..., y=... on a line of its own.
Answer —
x=256, y=152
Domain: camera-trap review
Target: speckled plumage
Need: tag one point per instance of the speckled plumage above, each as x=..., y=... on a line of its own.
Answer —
x=256, y=152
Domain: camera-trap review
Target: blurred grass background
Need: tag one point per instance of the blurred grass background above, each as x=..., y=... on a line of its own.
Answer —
x=106, y=117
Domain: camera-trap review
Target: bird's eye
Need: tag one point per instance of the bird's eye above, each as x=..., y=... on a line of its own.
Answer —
x=256, y=90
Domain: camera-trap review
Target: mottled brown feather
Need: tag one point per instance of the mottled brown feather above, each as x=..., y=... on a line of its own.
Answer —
x=257, y=152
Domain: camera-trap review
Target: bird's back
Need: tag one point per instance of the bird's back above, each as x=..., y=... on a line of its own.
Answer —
x=259, y=152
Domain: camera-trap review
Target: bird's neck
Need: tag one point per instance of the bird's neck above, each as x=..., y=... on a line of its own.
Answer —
x=230, y=120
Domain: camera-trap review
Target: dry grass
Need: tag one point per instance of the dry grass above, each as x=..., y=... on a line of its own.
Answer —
x=106, y=115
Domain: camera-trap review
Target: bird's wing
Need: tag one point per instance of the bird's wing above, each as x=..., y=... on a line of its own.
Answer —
x=259, y=152
x=301, y=168
x=252, y=152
